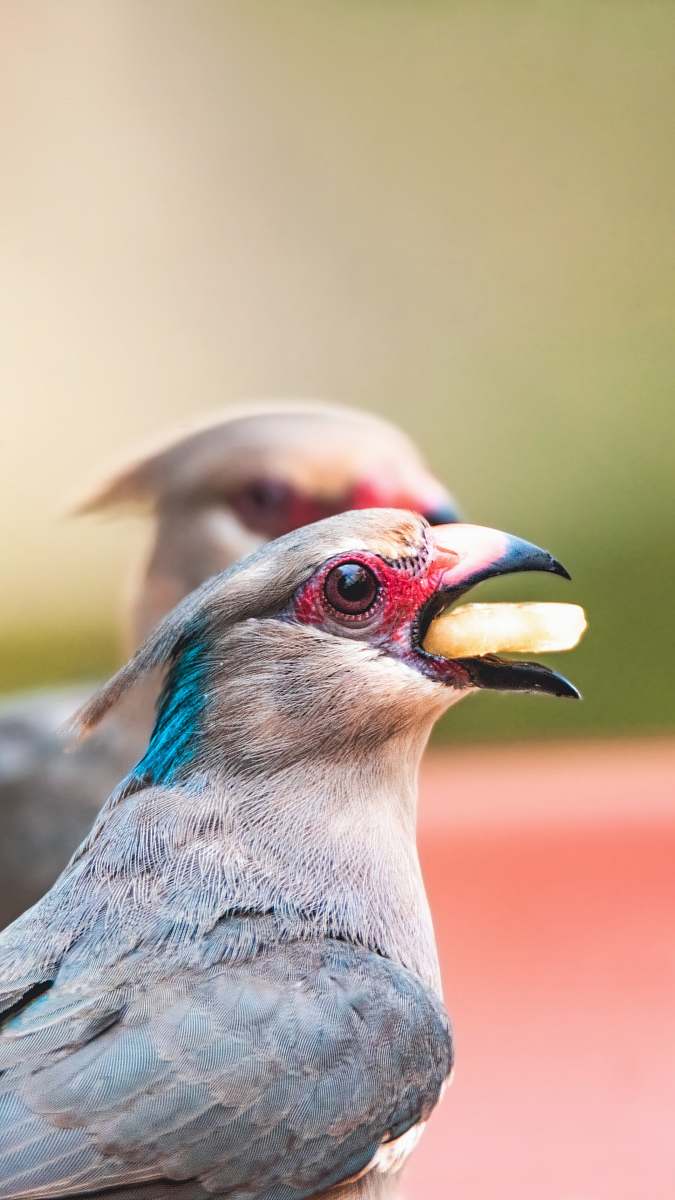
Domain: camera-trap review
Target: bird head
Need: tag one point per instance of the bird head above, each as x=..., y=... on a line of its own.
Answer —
x=314, y=647
x=221, y=491
x=281, y=774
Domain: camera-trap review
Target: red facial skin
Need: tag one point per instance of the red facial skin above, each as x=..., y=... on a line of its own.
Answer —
x=452, y=558
x=272, y=507
x=368, y=493
x=404, y=588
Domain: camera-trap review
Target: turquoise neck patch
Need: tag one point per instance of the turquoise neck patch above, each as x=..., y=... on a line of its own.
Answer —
x=174, y=739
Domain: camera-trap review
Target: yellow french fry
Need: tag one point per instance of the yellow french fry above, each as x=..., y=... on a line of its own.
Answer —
x=473, y=630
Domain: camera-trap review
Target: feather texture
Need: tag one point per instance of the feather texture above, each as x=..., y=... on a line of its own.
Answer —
x=196, y=488
x=233, y=989
x=277, y=1077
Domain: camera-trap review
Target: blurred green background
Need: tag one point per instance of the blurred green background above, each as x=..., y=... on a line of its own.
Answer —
x=458, y=214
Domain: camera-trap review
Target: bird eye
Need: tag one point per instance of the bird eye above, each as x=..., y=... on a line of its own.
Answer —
x=351, y=588
x=266, y=494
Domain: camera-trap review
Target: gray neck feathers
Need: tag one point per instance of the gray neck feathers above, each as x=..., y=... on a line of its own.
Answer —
x=319, y=743
x=276, y=798
x=318, y=851
x=335, y=848
x=290, y=814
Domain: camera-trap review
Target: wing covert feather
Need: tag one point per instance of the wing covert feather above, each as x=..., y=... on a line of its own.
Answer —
x=271, y=1079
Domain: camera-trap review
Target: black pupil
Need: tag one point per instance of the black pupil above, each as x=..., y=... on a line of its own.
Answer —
x=354, y=583
x=351, y=588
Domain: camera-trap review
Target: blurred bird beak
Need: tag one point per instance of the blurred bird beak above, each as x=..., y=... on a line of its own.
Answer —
x=442, y=514
x=465, y=555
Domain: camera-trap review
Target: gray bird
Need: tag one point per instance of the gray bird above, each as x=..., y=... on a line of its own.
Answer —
x=233, y=989
x=214, y=496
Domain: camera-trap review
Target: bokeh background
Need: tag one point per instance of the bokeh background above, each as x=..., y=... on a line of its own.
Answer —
x=458, y=214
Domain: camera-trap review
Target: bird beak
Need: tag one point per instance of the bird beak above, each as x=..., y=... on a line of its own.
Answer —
x=442, y=514
x=462, y=556
x=473, y=553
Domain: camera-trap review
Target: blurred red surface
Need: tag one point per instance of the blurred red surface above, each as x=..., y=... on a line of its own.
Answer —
x=551, y=873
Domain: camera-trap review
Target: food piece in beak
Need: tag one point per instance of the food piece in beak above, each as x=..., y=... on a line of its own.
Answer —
x=475, y=630
x=463, y=655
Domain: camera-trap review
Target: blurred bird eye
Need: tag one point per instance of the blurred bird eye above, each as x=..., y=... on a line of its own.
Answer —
x=266, y=494
x=351, y=588
x=265, y=506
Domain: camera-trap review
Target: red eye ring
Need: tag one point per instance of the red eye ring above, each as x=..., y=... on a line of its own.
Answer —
x=351, y=589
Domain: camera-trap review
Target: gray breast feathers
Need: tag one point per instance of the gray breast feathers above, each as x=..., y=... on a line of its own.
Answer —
x=269, y=1079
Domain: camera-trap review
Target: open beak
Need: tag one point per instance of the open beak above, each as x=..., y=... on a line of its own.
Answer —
x=464, y=644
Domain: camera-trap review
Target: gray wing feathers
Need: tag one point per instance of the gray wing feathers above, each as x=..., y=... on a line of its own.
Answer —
x=269, y=1080
x=49, y=793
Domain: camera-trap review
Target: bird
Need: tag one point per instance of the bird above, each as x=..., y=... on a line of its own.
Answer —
x=214, y=493
x=233, y=989
x=221, y=490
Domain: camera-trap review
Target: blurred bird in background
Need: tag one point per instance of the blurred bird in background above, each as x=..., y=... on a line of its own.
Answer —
x=233, y=989
x=220, y=492
x=214, y=496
